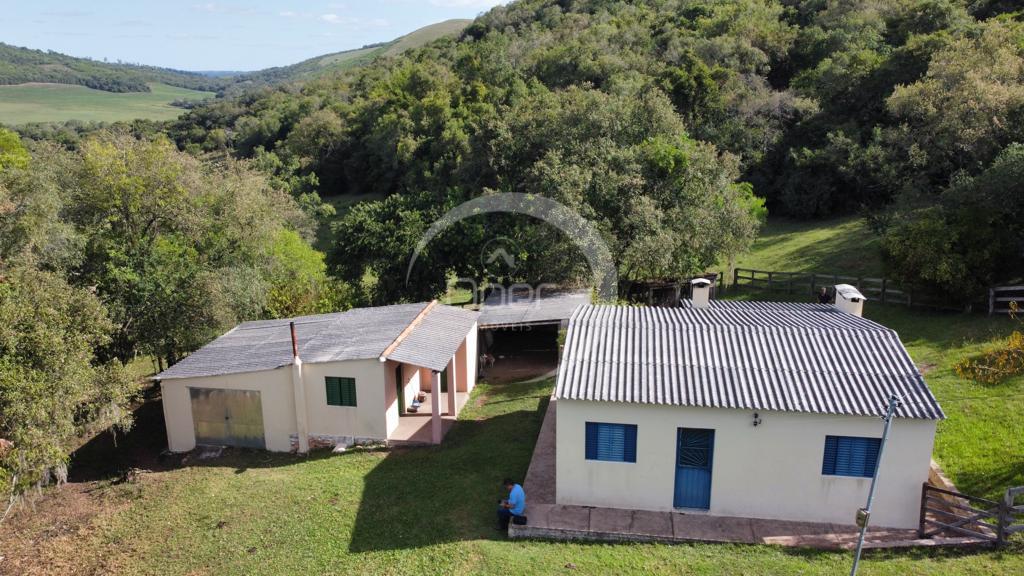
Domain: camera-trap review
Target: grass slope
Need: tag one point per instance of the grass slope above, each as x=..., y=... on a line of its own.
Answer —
x=421, y=511
x=427, y=34
x=840, y=246
x=25, y=103
x=345, y=60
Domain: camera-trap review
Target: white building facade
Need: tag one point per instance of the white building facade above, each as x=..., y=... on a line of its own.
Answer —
x=347, y=378
x=744, y=409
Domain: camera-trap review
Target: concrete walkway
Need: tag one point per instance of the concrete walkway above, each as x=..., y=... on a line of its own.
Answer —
x=553, y=521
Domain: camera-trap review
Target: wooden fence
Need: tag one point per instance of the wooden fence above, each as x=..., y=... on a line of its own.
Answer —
x=951, y=512
x=809, y=283
x=1000, y=298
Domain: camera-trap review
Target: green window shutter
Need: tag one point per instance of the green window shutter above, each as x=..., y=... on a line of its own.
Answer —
x=341, y=391
x=333, y=391
x=348, y=391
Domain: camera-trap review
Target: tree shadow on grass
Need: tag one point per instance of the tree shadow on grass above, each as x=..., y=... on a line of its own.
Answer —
x=110, y=456
x=425, y=496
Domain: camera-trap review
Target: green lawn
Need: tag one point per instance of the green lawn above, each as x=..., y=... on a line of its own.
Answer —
x=842, y=246
x=430, y=510
x=24, y=103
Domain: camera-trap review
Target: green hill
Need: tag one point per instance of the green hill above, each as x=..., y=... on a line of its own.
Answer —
x=418, y=38
x=24, y=65
x=347, y=59
x=42, y=86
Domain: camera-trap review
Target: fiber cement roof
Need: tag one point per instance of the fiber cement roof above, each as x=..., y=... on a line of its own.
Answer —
x=515, y=308
x=743, y=355
x=360, y=333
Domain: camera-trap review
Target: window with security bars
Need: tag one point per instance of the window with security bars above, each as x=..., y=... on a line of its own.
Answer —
x=695, y=448
x=341, y=391
x=611, y=442
x=850, y=456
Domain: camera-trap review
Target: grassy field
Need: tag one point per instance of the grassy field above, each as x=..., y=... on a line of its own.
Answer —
x=841, y=246
x=59, y=102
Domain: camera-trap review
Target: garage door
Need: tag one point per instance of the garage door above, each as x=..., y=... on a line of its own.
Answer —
x=227, y=417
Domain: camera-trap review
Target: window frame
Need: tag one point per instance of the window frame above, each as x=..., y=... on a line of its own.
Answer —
x=592, y=446
x=342, y=382
x=858, y=450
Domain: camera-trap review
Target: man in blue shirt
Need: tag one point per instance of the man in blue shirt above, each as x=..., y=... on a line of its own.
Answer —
x=515, y=505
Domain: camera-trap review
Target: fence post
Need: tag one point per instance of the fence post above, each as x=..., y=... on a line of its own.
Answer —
x=991, y=300
x=883, y=290
x=735, y=278
x=769, y=282
x=924, y=510
x=1005, y=516
x=814, y=283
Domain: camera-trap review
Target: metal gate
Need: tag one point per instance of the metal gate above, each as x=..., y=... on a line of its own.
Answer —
x=227, y=417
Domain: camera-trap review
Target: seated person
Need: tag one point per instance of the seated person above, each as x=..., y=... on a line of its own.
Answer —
x=515, y=505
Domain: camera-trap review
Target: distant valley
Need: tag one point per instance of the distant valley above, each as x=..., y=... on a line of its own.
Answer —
x=43, y=86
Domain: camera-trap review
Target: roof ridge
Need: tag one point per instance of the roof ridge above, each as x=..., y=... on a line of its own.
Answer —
x=408, y=329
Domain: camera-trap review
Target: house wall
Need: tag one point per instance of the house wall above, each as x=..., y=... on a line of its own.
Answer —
x=276, y=397
x=769, y=471
x=411, y=385
x=365, y=420
x=375, y=416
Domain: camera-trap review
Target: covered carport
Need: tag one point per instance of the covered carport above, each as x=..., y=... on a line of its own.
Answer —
x=519, y=331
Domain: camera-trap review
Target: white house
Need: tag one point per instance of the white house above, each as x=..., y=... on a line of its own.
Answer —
x=750, y=409
x=325, y=380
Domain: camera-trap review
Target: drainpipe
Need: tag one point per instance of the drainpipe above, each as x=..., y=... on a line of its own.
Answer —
x=299, y=387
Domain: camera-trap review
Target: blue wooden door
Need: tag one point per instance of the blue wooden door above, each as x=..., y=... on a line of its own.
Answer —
x=695, y=449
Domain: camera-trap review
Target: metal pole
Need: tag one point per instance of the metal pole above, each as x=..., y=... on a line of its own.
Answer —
x=894, y=401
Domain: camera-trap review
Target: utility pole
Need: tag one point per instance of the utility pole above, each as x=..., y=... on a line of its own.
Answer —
x=864, y=514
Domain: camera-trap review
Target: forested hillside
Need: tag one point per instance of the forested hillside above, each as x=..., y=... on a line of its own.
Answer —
x=905, y=112
x=21, y=65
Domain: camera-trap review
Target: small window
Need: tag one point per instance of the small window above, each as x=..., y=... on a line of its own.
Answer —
x=850, y=456
x=341, y=391
x=611, y=442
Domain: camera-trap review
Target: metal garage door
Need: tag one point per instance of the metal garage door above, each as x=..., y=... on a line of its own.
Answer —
x=227, y=417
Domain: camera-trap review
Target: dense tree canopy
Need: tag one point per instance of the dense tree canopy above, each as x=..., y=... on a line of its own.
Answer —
x=824, y=108
x=127, y=246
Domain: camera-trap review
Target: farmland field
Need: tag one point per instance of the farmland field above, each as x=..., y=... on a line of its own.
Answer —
x=24, y=103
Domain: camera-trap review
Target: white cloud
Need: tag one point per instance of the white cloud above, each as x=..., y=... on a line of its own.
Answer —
x=353, y=22
x=287, y=14
x=335, y=19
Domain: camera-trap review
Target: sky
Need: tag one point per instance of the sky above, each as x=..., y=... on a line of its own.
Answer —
x=238, y=35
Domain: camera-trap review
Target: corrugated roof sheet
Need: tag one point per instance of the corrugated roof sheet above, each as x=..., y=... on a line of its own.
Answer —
x=360, y=333
x=519, y=308
x=744, y=355
x=436, y=338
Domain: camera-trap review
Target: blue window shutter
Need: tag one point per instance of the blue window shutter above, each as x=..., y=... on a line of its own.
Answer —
x=611, y=442
x=591, y=441
x=850, y=456
x=831, y=446
x=629, y=453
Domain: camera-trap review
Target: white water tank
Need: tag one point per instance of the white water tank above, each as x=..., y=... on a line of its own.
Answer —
x=849, y=299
